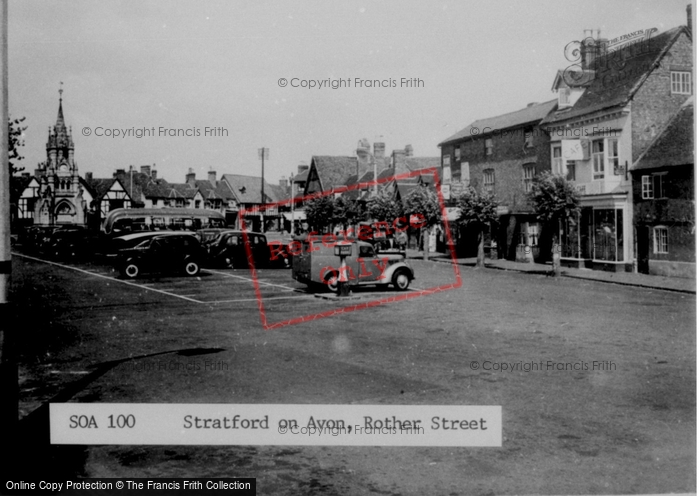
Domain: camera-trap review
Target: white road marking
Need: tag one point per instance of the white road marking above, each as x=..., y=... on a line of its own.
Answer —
x=107, y=277
x=251, y=280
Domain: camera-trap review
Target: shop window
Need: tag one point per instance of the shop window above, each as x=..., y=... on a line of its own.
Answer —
x=608, y=233
x=661, y=240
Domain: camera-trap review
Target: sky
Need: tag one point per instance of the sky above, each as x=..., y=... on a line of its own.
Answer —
x=192, y=65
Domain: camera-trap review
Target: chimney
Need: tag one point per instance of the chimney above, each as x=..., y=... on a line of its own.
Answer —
x=689, y=11
x=154, y=173
x=302, y=167
x=409, y=150
x=120, y=172
x=363, y=157
x=88, y=176
x=379, y=150
x=189, y=177
x=25, y=175
x=146, y=169
x=398, y=161
x=211, y=175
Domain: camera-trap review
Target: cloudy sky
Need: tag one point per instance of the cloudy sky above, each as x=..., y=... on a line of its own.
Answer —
x=195, y=64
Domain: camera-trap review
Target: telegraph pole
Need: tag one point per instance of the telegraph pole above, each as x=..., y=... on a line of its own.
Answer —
x=8, y=359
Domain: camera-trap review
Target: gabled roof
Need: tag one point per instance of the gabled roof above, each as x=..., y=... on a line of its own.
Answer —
x=98, y=187
x=531, y=114
x=247, y=189
x=674, y=145
x=617, y=80
x=301, y=177
x=333, y=170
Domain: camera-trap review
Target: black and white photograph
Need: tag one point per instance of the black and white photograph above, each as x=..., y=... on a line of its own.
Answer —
x=351, y=248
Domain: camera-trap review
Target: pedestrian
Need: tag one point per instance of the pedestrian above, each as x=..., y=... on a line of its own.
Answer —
x=401, y=240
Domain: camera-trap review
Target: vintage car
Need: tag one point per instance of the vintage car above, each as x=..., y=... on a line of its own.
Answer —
x=314, y=262
x=172, y=252
x=226, y=248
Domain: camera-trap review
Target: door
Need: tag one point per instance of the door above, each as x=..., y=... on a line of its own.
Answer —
x=643, y=249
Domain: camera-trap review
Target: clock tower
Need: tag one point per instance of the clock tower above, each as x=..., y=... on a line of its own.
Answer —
x=60, y=193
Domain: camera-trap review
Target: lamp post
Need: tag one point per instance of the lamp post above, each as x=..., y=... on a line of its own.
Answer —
x=263, y=153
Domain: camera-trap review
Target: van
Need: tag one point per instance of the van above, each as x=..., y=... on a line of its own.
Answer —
x=315, y=263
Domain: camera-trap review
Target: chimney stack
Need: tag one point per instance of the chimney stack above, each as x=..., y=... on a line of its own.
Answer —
x=120, y=172
x=689, y=11
x=379, y=150
x=302, y=167
x=146, y=169
x=363, y=156
x=189, y=177
x=88, y=176
x=409, y=150
x=211, y=175
x=154, y=173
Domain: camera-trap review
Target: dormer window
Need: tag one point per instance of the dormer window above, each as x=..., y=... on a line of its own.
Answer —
x=564, y=97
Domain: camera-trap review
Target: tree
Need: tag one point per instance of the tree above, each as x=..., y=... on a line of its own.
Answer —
x=345, y=211
x=555, y=201
x=478, y=209
x=383, y=207
x=319, y=213
x=422, y=202
x=16, y=135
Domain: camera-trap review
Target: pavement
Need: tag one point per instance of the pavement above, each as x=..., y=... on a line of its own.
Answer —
x=677, y=284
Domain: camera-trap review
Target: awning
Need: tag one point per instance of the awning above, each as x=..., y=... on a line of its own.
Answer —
x=298, y=215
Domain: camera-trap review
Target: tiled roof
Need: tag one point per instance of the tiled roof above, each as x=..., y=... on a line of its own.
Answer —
x=613, y=85
x=98, y=187
x=533, y=113
x=247, y=189
x=301, y=177
x=674, y=145
x=420, y=163
x=333, y=170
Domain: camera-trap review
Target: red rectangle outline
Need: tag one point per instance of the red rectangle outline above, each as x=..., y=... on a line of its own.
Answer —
x=369, y=304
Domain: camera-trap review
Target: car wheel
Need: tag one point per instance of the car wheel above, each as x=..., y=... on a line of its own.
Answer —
x=191, y=268
x=401, y=280
x=131, y=270
x=332, y=282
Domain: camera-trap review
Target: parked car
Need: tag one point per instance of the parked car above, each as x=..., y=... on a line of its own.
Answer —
x=171, y=252
x=71, y=242
x=315, y=263
x=226, y=248
x=115, y=245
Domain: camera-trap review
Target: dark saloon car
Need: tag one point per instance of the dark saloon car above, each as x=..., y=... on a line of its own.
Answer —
x=168, y=253
x=226, y=248
x=71, y=242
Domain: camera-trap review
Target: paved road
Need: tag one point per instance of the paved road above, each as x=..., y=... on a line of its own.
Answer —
x=627, y=430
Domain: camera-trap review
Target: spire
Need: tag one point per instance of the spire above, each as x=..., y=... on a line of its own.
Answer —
x=59, y=120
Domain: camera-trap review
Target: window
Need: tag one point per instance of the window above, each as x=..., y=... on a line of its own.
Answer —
x=489, y=180
x=528, y=176
x=613, y=156
x=564, y=100
x=488, y=146
x=661, y=239
x=464, y=172
x=654, y=186
x=599, y=159
x=680, y=82
x=458, y=155
x=557, y=160
x=571, y=170
x=446, y=161
x=647, y=188
x=529, y=137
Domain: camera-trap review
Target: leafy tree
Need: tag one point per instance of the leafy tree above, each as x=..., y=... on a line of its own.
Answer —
x=555, y=201
x=479, y=209
x=423, y=203
x=345, y=211
x=16, y=138
x=319, y=213
x=383, y=207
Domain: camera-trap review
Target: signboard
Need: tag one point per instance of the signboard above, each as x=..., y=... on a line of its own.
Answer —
x=571, y=149
x=343, y=250
x=445, y=189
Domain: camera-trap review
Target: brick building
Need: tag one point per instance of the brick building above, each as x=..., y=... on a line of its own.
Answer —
x=663, y=190
x=502, y=155
x=602, y=127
